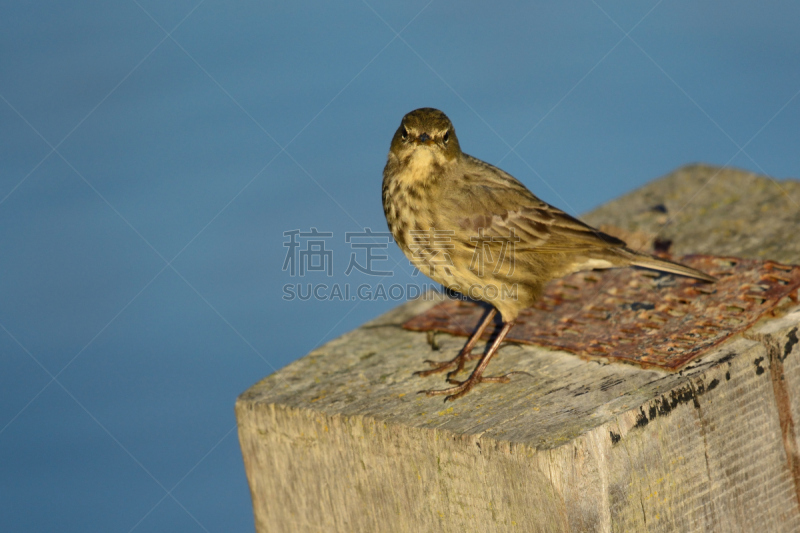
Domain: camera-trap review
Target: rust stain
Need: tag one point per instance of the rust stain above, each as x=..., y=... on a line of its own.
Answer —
x=777, y=354
x=786, y=421
x=638, y=316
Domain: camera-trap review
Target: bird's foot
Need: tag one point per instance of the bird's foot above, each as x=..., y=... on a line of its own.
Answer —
x=463, y=387
x=505, y=378
x=440, y=366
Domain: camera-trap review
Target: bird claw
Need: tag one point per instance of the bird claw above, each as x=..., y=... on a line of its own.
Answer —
x=483, y=379
x=436, y=370
x=463, y=387
x=496, y=379
x=441, y=366
x=452, y=380
x=452, y=392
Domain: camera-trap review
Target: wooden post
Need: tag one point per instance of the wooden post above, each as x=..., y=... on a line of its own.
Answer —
x=340, y=441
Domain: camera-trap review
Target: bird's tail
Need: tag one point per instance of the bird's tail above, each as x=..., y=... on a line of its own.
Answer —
x=654, y=263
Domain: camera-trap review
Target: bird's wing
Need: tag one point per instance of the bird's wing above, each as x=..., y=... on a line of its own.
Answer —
x=491, y=204
x=540, y=229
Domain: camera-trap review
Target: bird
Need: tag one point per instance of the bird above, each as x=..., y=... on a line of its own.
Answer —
x=478, y=231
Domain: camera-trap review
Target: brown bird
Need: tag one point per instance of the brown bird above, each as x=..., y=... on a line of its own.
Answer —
x=478, y=231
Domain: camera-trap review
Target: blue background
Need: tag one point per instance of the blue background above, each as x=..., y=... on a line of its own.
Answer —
x=153, y=153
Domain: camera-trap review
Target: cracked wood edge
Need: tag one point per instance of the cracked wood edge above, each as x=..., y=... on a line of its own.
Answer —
x=707, y=455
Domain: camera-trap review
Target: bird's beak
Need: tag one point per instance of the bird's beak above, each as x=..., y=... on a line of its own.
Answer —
x=424, y=138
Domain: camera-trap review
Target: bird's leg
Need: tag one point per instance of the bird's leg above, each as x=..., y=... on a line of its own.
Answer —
x=463, y=355
x=463, y=387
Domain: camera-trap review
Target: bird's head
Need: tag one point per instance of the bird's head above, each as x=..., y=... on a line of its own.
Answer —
x=428, y=130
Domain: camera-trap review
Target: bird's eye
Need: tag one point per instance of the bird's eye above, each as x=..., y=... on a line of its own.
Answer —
x=404, y=135
x=446, y=136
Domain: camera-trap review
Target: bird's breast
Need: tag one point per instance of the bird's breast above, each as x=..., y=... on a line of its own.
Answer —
x=408, y=209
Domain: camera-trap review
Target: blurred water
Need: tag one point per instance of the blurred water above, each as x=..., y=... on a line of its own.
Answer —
x=154, y=153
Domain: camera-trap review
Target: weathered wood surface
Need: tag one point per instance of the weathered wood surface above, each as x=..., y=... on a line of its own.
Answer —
x=340, y=441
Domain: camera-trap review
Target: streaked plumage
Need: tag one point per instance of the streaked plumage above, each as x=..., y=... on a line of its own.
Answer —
x=447, y=209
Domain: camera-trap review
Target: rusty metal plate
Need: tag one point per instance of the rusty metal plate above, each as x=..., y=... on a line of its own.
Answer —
x=638, y=316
